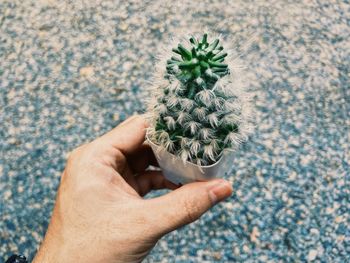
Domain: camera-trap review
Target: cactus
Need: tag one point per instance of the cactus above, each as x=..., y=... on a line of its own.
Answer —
x=197, y=111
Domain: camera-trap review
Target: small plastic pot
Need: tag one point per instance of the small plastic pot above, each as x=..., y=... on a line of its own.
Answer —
x=178, y=172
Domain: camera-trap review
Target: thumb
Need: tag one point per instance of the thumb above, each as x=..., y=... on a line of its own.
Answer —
x=127, y=136
x=187, y=203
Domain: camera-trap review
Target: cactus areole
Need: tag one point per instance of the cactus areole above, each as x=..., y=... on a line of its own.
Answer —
x=197, y=113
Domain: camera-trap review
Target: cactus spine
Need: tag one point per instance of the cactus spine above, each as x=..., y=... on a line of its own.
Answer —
x=197, y=112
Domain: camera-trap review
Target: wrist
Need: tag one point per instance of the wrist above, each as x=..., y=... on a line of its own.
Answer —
x=48, y=253
x=57, y=251
x=54, y=249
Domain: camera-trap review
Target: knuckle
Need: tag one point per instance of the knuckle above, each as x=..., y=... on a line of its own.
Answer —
x=141, y=119
x=76, y=153
x=191, y=210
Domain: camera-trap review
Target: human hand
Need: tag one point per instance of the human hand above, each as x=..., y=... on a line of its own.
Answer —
x=100, y=215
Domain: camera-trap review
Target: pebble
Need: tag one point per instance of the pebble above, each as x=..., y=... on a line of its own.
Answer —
x=87, y=71
x=254, y=235
x=312, y=255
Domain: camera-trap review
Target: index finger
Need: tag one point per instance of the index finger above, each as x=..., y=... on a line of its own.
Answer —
x=127, y=136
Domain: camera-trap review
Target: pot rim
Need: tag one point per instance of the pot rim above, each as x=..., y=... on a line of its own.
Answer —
x=187, y=162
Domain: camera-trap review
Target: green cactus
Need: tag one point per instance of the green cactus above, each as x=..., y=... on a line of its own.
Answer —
x=198, y=112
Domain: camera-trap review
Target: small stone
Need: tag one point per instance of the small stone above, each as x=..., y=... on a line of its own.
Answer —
x=20, y=189
x=329, y=210
x=268, y=195
x=339, y=219
x=305, y=160
x=298, y=125
x=254, y=235
x=7, y=194
x=12, y=140
x=285, y=197
x=228, y=205
x=217, y=255
x=293, y=175
x=28, y=146
x=312, y=255
x=269, y=144
x=246, y=248
x=116, y=116
x=236, y=251
x=314, y=231
x=70, y=121
x=127, y=66
x=340, y=238
x=300, y=96
x=123, y=26
x=87, y=72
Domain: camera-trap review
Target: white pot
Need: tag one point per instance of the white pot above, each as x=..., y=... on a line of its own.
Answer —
x=178, y=172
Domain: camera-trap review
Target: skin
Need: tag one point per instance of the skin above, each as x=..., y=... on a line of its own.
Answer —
x=100, y=214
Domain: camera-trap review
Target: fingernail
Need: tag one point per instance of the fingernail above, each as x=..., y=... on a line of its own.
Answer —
x=220, y=191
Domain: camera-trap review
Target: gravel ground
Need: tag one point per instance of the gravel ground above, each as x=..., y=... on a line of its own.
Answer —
x=71, y=70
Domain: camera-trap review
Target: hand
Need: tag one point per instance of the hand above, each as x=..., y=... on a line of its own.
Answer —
x=100, y=215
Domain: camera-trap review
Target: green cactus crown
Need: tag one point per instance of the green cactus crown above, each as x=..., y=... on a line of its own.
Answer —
x=198, y=112
x=201, y=66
